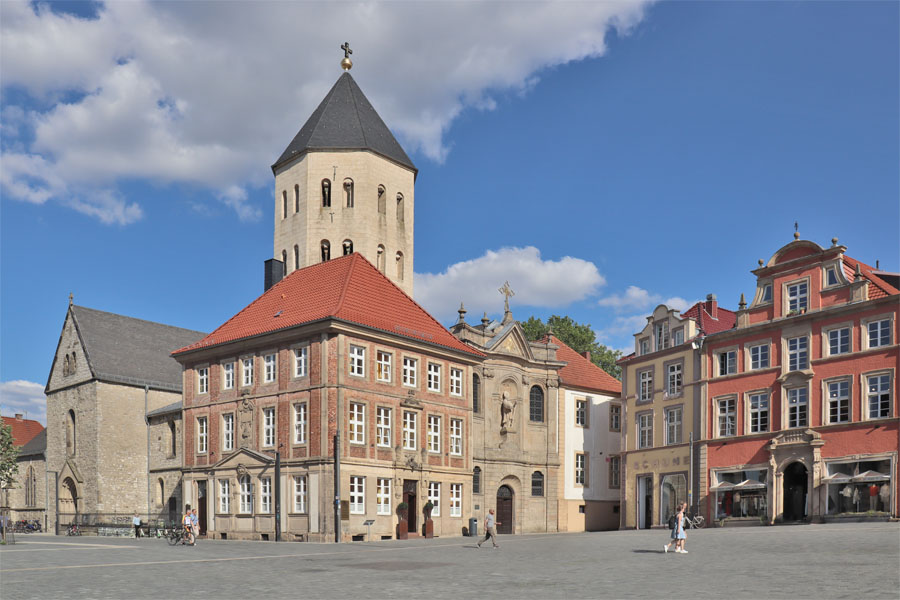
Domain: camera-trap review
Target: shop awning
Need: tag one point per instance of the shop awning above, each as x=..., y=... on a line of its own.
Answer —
x=750, y=484
x=722, y=487
x=836, y=478
x=871, y=476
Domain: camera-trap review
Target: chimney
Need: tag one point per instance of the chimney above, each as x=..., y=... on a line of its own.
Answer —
x=586, y=354
x=274, y=272
x=712, y=306
x=18, y=416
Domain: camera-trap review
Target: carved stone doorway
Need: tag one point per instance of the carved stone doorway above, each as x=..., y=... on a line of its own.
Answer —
x=505, y=498
x=409, y=496
x=796, y=480
x=201, y=506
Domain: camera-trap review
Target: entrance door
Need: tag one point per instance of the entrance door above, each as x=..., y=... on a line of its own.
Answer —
x=505, y=510
x=795, y=489
x=409, y=496
x=645, y=502
x=201, y=506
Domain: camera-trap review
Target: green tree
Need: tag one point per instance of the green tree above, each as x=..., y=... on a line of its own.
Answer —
x=9, y=452
x=577, y=336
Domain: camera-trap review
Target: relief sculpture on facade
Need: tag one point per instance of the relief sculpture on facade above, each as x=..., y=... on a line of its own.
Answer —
x=246, y=422
x=507, y=407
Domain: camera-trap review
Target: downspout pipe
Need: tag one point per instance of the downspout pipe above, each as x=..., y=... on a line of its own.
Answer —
x=147, y=422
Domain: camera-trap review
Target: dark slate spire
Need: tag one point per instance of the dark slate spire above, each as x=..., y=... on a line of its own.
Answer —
x=345, y=120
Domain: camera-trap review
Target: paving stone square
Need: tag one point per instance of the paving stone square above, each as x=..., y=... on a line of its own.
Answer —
x=812, y=561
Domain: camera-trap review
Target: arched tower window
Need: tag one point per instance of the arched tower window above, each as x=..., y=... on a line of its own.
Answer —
x=476, y=392
x=400, y=215
x=326, y=193
x=173, y=440
x=348, y=193
x=74, y=362
x=326, y=250
x=537, y=484
x=283, y=263
x=400, y=266
x=348, y=247
x=382, y=201
x=70, y=434
x=30, y=487
x=536, y=404
x=66, y=366
x=379, y=263
x=160, y=492
x=296, y=198
x=284, y=204
x=296, y=257
x=476, y=480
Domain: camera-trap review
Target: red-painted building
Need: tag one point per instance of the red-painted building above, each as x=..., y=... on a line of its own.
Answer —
x=801, y=415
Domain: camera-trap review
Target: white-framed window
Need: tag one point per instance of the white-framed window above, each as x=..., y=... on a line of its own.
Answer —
x=674, y=379
x=798, y=407
x=766, y=295
x=203, y=380
x=247, y=372
x=798, y=296
x=728, y=362
x=383, y=426
x=434, y=433
x=661, y=335
x=300, y=493
x=456, y=379
x=383, y=365
x=879, y=333
x=268, y=426
x=202, y=435
x=228, y=432
x=644, y=347
x=358, y=361
x=798, y=353
x=246, y=490
x=409, y=371
x=409, y=430
x=673, y=425
x=839, y=401
x=727, y=417
x=831, y=276
x=838, y=341
x=580, y=469
x=357, y=495
x=456, y=437
x=615, y=417
x=646, y=391
x=879, y=395
x=357, y=423
x=300, y=423
x=455, y=499
x=269, y=361
x=228, y=376
x=301, y=358
x=759, y=412
x=383, y=496
x=678, y=336
x=645, y=430
x=224, y=496
x=581, y=413
x=759, y=356
x=434, y=377
x=434, y=496
x=265, y=495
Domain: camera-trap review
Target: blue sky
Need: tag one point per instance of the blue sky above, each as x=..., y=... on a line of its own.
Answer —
x=602, y=158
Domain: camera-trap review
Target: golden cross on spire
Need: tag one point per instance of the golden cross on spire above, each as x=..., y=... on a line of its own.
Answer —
x=346, y=63
x=507, y=292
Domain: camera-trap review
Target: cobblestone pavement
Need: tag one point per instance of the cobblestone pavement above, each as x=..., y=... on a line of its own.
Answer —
x=814, y=561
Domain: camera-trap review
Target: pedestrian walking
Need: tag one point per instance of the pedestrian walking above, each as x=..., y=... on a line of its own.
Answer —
x=137, y=525
x=195, y=524
x=187, y=524
x=680, y=535
x=490, y=529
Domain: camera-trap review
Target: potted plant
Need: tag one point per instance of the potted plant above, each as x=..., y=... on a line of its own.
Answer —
x=428, y=525
x=402, y=525
x=426, y=510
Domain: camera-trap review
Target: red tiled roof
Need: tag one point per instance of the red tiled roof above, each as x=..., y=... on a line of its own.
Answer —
x=706, y=323
x=348, y=288
x=582, y=373
x=879, y=289
x=23, y=429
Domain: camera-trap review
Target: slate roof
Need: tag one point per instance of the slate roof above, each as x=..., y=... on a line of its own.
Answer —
x=349, y=289
x=37, y=445
x=345, y=120
x=705, y=322
x=171, y=408
x=132, y=351
x=23, y=430
x=879, y=288
x=581, y=373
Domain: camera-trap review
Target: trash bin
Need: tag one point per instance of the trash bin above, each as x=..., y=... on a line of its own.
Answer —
x=473, y=527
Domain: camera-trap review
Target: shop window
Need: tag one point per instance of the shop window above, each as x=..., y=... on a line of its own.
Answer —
x=859, y=486
x=672, y=492
x=740, y=494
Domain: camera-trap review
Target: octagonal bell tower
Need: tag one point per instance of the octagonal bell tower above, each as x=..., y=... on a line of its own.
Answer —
x=344, y=184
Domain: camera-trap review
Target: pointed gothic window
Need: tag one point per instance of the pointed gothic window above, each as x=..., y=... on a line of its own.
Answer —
x=173, y=440
x=326, y=193
x=400, y=216
x=382, y=204
x=379, y=263
x=284, y=205
x=70, y=434
x=400, y=266
x=348, y=193
x=326, y=250
x=296, y=257
x=296, y=198
x=66, y=366
x=348, y=247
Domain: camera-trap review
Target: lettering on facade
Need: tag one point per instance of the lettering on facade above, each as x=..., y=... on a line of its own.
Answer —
x=675, y=461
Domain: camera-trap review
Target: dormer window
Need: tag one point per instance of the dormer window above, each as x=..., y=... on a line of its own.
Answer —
x=662, y=335
x=678, y=336
x=798, y=297
x=766, y=293
x=326, y=193
x=644, y=347
x=831, y=277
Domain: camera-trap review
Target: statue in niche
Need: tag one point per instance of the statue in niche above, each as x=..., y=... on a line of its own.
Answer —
x=246, y=421
x=507, y=407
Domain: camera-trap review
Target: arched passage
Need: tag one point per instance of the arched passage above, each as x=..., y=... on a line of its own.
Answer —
x=796, y=480
x=505, y=511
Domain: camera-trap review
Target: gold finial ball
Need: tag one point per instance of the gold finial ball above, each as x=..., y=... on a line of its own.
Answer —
x=796, y=235
x=760, y=261
x=346, y=64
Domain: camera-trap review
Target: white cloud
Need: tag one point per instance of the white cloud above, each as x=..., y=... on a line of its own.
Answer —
x=210, y=94
x=535, y=281
x=24, y=397
x=636, y=298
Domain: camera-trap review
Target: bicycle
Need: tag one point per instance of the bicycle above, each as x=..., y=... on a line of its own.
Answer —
x=695, y=522
x=178, y=535
x=73, y=530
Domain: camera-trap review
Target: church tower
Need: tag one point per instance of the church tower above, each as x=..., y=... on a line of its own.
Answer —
x=343, y=185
